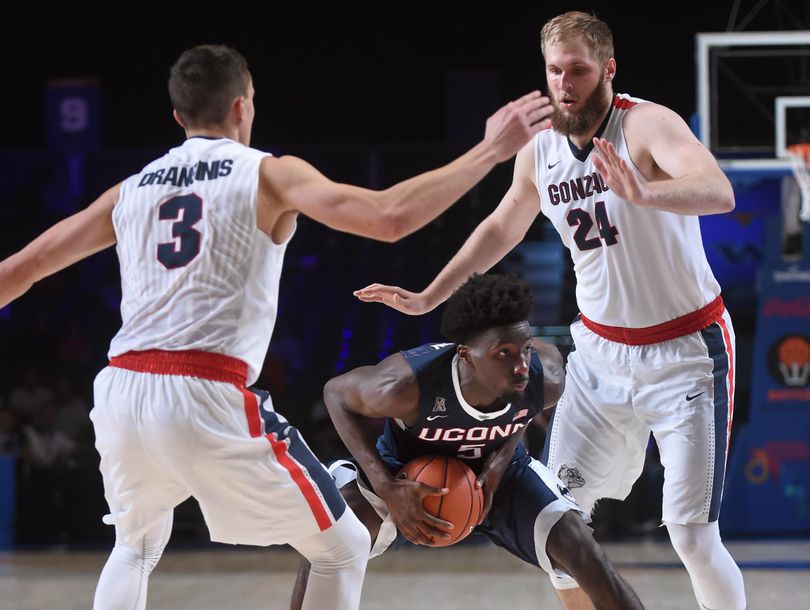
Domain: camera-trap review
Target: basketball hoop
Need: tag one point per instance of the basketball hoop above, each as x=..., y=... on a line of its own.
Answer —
x=800, y=164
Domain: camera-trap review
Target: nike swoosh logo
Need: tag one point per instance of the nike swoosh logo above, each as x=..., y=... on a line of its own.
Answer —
x=693, y=397
x=553, y=165
x=432, y=417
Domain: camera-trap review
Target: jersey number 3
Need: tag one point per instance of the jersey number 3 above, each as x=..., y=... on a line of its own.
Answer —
x=580, y=217
x=185, y=211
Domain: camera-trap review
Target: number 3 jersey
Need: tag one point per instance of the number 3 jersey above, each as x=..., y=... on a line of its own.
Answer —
x=196, y=271
x=636, y=267
x=447, y=424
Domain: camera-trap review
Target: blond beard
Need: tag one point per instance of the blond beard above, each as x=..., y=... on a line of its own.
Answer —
x=584, y=121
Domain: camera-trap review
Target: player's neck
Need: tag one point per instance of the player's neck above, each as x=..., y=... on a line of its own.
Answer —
x=212, y=132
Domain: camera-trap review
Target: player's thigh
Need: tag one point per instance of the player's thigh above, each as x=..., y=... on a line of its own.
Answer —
x=264, y=486
x=529, y=502
x=596, y=443
x=139, y=492
x=689, y=410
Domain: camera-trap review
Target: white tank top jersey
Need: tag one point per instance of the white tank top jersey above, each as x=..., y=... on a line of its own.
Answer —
x=196, y=271
x=635, y=267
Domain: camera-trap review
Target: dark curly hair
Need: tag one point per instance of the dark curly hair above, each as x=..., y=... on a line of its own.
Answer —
x=484, y=302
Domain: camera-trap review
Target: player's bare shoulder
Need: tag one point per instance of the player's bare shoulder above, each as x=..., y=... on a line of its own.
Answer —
x=279, y=175
x=646, y=120
x=397, y=382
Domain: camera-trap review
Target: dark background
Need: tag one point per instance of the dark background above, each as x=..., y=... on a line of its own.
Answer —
x=339, y=74
x=366, y=95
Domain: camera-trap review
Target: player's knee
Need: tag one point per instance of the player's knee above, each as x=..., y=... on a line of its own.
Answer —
x=141, y=557
x=691, y=541
x=348, y=547
x=358, y=540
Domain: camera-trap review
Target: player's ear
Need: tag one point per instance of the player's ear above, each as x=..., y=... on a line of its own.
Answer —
x=463, y=352
x=610, y=70
x=177, y=118
x=239, y=108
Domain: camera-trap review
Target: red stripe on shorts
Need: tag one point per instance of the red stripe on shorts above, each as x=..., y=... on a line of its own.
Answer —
x=252, y=414
x=304, y=484
x=729, y=378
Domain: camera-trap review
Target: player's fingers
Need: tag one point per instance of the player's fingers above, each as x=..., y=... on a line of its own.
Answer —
x=600, y=165
x=415, y=536
x=426, y=535
x=604, y=148
x=433, y=522
x=368, y=288
x=427, y=490
x=530, y=97
x=485, y=510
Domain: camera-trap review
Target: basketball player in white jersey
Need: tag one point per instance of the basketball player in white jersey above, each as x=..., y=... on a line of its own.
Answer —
x=624, y=181
x=200, y=235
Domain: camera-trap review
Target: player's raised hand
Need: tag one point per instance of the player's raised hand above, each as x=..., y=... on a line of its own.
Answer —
x=404, y=500
x=620, y=178
x=411, y=303
x=516, y=123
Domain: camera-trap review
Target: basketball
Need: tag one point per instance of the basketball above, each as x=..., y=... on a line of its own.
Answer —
x=461, y=506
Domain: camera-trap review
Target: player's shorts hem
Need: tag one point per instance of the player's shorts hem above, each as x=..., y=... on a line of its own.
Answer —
x=346, y=471
x=545, y=522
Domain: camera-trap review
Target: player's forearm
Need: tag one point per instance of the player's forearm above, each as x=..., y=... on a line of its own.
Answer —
x=358, y=440
x=487, y=245
x=15, y=279
x=695, y=194
x=410, y=205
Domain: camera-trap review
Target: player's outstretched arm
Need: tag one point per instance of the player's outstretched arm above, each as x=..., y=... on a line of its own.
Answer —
x=687, y=178
x=65, y=243
x=395, y=212
x=489, y=243
x=571, y=547
x=388, y=389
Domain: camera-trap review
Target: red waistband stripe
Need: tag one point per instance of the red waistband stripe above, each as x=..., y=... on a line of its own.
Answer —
x=189, y=363
x=679, y=327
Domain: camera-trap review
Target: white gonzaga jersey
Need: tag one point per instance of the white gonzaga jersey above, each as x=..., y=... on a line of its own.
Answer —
x=635, y=267
x=196, y=271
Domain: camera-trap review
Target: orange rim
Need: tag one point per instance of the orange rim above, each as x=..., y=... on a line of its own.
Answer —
x=801, y=149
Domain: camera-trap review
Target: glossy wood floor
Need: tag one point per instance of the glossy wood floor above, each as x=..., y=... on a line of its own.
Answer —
x=469, y=576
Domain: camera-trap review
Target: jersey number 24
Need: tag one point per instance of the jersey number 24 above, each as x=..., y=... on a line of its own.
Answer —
x=582, y=220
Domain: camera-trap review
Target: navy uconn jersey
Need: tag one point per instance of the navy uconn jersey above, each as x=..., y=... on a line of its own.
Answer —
x=447, y=425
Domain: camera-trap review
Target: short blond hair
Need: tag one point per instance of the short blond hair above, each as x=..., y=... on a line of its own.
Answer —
x=590, y=28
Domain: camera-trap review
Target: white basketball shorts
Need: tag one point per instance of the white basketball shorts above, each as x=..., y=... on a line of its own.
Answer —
x=679, y=389
x=170, y=425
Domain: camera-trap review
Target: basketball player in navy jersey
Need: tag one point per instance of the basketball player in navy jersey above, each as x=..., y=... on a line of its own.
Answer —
x=470, y=399
x=624, y=182
x=200, y=234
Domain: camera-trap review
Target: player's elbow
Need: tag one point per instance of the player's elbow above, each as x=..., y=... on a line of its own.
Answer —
x=725, y=197
x=17, y=275
x=392, y=226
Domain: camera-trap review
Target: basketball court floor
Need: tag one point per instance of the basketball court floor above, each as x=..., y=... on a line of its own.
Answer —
x=480, y=576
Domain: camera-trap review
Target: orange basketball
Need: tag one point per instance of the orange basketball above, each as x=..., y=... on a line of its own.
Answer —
x=461, y=506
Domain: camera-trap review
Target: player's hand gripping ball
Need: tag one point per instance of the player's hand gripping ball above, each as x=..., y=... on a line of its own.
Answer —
x=461, y=505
